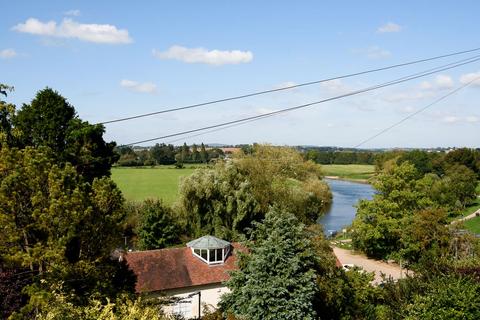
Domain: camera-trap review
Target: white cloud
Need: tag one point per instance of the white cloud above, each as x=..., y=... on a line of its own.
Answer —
x=451, y=119
x=201, y=55
x=261, y=111
x=407, y=109
x=74, y=13
x=440, y=82
x=444, y=82
x=425, y=85
x=143, y=87
x=335, y=86
x=285, y=85
x=469, y=77
x=98, y=33
x=472, y=119
x=455, y=119
x=373, y=52
x=7, y=53
x=408, y=96
x=389, y=27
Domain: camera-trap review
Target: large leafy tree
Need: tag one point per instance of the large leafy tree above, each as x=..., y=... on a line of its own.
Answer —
x=49, y=120
x=58, y=226
x=379, y=223
x=7, y=113
x=446, y=297
x=276, y=278
x=225, y=200
x=157, y=227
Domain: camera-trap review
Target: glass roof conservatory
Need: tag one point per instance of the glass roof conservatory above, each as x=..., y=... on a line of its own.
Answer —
x=210, y=249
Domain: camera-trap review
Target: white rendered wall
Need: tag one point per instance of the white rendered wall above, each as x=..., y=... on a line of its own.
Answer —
x=210, y=296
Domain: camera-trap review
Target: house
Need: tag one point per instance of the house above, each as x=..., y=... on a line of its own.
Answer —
x=195, y=274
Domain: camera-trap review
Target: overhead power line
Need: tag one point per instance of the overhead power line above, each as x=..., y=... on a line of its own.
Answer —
x=290, y=87
x=266, y=116
x=273, y=113
x=416, y=112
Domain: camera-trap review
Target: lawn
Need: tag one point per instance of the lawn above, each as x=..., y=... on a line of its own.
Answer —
x=141, y=183
x=359, y=172
x=473, y=225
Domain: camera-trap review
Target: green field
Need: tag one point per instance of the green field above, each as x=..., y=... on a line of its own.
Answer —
x=473, y=225
x=358, y=172
x=141, y=183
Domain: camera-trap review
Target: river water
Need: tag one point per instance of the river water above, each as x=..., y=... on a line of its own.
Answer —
x=345, y=195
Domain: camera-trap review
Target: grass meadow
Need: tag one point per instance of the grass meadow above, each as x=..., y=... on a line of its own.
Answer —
x=359, y=172
x=162, y=182
x=140, y=183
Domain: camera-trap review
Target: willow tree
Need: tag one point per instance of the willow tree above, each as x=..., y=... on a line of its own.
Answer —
x=226, y=200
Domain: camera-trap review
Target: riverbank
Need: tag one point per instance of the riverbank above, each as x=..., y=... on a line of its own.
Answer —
x=364, y=181
x=360, y=173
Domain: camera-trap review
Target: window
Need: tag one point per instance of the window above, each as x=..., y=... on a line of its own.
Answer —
x=203, y=253
x=211, y=256
x=215, y=255
x=183, y=308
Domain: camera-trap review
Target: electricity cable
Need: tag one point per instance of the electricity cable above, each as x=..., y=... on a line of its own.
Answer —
x=386, y=84
x=290, y=87
x=416, y=112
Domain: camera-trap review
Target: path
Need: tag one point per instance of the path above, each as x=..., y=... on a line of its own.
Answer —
x=389, y=269
x=470, y=216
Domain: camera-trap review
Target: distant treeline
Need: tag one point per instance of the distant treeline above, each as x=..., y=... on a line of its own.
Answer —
x=165, y=154
x=340, y=157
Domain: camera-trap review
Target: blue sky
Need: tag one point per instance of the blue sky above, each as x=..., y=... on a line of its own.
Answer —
x=112, y=59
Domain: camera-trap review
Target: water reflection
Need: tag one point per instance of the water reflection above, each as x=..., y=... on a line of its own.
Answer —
x=345, y=195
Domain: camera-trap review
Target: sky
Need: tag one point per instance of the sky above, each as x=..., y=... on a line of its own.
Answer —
x=114, y=59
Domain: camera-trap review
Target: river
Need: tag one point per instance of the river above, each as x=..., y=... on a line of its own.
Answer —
x=345, y=195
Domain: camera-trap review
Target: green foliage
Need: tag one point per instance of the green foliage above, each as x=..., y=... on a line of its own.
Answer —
x=449, y=297
x=421, y=160
x=57, y=225
x=158, y=227
x=8, y=134
x=124, y=308
x=276, y=279
x=218, y=202
x=468, y=157
x=49, y=120
x=379, y=223
x=226, y=200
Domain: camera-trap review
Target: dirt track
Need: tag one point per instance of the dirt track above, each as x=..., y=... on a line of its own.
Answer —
x=378, y=267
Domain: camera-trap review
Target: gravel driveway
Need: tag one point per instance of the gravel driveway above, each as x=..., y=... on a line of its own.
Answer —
x=370, y=265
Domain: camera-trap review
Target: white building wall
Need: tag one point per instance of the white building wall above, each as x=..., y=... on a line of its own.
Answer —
x=210, y=296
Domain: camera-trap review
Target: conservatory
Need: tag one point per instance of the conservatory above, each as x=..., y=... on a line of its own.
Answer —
x=210, y=249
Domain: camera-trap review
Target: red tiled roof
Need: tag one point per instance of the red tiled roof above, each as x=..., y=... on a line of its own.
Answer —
x=172, y=268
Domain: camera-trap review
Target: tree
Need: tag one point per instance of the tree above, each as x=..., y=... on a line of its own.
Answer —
x=218, y=201
x=468, y=157
x=276, y=278
x=58, y=226
x=462, y=183
x=420, y=159
x=380, y=222
x=426, y=231
x=123, y=308
x=226, y=200
x=49, y=120
x=157, y=228
x=7, y=113
x=195, y=153
x=203, y=154
x=445, y=298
